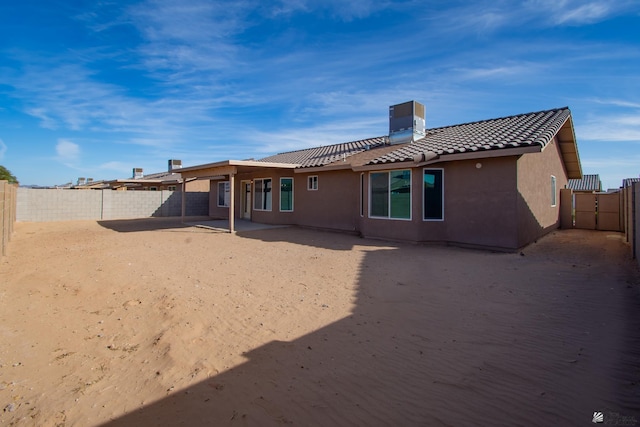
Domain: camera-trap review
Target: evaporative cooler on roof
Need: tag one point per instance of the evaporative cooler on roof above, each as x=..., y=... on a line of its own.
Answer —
x=406, y=122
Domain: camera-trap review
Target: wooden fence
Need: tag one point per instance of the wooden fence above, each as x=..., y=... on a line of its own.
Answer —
x=8, y=196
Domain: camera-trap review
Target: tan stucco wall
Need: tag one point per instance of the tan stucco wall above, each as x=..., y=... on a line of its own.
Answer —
x=500, y=202
x=479, y=206
x=536, y=216
x=214, y=210
x=197, y=185
x=335, y=204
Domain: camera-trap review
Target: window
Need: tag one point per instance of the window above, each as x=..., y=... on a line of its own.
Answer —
x=262, y=194
x=390, y=194
x=433, y=196
x=171, y=188
x=553, y=191
x=312, y=182
x=224, y=194
x=286, y=194
x=153, y=188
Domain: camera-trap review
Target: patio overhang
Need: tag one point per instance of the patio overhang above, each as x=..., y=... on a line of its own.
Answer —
x=222, y=170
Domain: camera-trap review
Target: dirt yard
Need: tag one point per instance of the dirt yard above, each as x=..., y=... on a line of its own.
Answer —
x=146, y=322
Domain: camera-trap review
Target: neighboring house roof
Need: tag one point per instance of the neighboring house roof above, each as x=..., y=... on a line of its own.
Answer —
x=587, y=183
x=161, y=178
x=523, y=130
x=320, y=156
x=91, y=185
x=627, y=182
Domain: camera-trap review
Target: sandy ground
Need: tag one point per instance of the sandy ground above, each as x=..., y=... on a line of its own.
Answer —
x=136, y=323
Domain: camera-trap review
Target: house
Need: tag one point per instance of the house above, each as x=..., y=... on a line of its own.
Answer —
x=171, y=180
x=588, y=184
x=628, y=182
x=492, y=183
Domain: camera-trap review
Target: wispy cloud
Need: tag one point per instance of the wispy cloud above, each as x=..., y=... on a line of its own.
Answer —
x=115, y=167
x=67, y=152
x=343, y=10
x=578, y=12
x=617, y=103
x=508, y=70
x=619, y=128
x=325, y=134
x=583, y=14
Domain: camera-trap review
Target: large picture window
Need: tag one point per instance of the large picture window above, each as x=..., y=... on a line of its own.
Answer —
x=224, y=193
x=262, y=194
x=390, y=194
x=286, y=194
x=433, y=196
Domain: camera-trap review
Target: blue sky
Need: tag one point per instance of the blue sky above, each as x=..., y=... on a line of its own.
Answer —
x=96, y=88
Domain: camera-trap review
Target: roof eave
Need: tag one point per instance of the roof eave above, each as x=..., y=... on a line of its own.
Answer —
x=474, y=155
x=569, y=149
x=250, y=163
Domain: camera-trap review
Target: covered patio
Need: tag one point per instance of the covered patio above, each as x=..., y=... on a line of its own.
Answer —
x=228, y=170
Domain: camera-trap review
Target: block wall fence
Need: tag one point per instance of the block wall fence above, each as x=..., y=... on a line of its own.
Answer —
x=41, y=205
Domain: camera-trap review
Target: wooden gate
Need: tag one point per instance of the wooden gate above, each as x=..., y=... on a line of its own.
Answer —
x=597, y=211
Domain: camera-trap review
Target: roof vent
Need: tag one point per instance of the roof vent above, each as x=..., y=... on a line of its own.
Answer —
x=406, y=122
x=137, y=173
x=175, y=164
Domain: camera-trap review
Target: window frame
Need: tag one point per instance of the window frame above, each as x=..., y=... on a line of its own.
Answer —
x=280, y=194
x=262, y=192
x=312, y=184
x=441, y=196
x=227, y=191
x=389, y=194
x=362, y=194
x=554, y=191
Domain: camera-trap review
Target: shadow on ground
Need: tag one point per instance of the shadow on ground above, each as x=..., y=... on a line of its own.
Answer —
x=474, y=345
x=148, y=224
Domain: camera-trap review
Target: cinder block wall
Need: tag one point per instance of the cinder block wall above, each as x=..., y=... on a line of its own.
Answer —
x=65, y=205
x=58, y=205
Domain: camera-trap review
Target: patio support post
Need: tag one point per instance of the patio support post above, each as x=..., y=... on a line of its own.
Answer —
x=183, y=208
x=232, y=198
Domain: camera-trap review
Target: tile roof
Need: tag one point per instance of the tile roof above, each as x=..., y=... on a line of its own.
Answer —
x=521, y=130
x=321, y=156
x=587, y=183
x=627, y=182
x=161, y=176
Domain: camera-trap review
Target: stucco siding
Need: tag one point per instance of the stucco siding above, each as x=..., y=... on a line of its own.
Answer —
x=334, y=205
x=480, y=202
x=479, y=206
x=536, y=215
